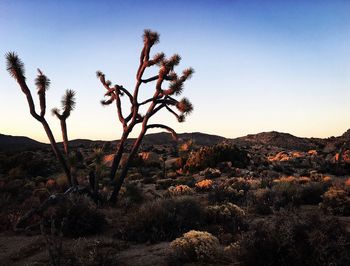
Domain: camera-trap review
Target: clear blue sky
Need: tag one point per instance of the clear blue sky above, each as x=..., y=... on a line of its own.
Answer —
x=260, y=65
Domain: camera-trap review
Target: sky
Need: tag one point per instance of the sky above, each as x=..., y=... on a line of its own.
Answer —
x=260, y=65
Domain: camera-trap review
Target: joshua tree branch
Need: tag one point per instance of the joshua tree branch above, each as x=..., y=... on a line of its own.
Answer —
x=172, y=131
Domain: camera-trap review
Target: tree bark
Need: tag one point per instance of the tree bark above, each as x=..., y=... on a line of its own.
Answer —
x=118, y=184
x=64, y=135
x=56, y=151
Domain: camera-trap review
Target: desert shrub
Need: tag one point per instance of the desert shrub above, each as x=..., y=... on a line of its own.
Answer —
x=296, y=240
x=311, y=193
x=163, y=219
x=211, y=156
x=260, y=201
x=180, y=190
x=231, y=190
x=25, y=164
x=285, y=194
x=133, y=194
x=204, y=185
x=211, y=173
x=82, y=218
x=226, y=194
x=336, y=201
x=229, y=215
x=196, y=246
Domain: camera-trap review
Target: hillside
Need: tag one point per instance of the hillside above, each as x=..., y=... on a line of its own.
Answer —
x=281, y=140
x=19, y=143
x=15, y=143
x=273, y=138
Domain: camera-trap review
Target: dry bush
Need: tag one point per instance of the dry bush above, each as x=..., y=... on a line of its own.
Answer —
x=228, y=216
x=211, y=156
x=336, y=201
x=231, y=190
x=180, y=190
x=204, y=185
x=82, y=218
x=260, y=201
x=296, y=240
x=163, y=219
x=196, y=246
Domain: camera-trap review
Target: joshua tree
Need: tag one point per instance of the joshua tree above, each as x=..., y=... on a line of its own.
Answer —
x=162, y=98
x=68, y=104
x=16, y=69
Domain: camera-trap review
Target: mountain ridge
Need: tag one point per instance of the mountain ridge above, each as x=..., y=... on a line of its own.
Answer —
x=272, y=138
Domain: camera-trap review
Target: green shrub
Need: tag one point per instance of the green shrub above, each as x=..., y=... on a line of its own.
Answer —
x=163, y=219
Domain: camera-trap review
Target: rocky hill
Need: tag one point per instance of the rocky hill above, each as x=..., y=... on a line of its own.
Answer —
x=281, y=140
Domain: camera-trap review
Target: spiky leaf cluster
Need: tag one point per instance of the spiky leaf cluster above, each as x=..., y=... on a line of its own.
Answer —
x=68, y=102
x=184, y=106
x=42, y=82
x=14, y=65
x=150, y=37
x=176, y=87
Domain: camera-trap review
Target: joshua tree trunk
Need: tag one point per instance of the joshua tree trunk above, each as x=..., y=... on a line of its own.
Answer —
x=64, y=136
x=57, y=152
x=118, y=156
x=126, y=167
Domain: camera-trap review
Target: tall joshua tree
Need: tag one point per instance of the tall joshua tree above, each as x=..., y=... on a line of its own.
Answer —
x=163, y=98
x=16, y=69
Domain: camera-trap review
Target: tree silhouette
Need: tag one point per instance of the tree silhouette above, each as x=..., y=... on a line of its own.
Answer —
x=16, y=69
x=68, y=104
x=161, y=99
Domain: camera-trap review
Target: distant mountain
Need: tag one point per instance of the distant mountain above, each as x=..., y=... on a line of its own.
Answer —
x=273, y=138
x=17, y=143
x=14, y=143
x=281, y=140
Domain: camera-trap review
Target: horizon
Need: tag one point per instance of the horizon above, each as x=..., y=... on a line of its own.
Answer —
x=273, y=66
x=179, y=133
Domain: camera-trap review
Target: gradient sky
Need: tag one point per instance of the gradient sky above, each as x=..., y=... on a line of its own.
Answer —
x=260, y=65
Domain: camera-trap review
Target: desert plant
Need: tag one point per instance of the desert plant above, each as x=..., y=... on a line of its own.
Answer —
x=16, y=69
x=163, y=219
x=196, y=246
x=180, y=190
x=82, y=217
x=229, y=215
x=204, y=185
x=289, y=239
x=336, y=201
x=162, y=98
x=68, y=104
x=211, y=156
x=260, y=201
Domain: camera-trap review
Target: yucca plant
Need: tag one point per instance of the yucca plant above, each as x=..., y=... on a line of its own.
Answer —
x=163, y=98
x=16, y=69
